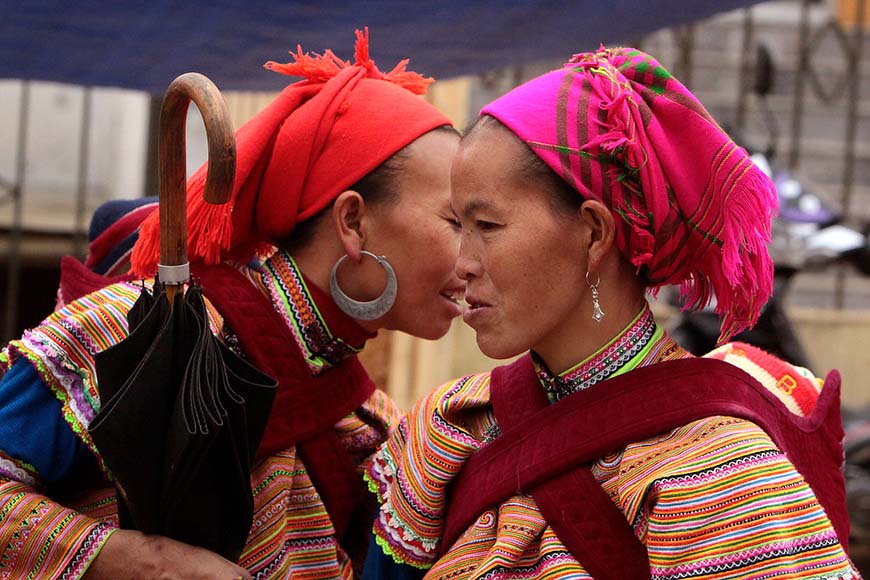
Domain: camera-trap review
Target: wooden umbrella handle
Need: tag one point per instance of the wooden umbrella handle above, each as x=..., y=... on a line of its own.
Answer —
x=172, y=167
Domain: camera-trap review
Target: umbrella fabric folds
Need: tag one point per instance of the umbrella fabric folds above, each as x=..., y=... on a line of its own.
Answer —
x=180, y=422
x=181, y=415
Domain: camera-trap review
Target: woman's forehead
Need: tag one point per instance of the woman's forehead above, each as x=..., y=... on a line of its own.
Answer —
x=494, y=194
x=490, y=153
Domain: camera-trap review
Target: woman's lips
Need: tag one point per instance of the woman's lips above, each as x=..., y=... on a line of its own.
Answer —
x=455, y=298
x=476, y=311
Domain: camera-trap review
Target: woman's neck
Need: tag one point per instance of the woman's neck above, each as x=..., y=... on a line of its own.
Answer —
x=316, y=260
x=625, y=351
x=579, y=336
x=324, y=334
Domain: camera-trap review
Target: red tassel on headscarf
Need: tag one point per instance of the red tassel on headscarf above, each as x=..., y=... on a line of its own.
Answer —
x=209, y=230
x=320, y=68
x=293, y=160
x=315, y=68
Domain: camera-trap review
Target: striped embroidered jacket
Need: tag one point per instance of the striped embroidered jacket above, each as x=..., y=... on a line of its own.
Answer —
x=52, y=524
x=713, y=499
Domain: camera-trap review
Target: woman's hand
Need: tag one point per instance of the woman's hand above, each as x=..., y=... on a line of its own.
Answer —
x=132, y=555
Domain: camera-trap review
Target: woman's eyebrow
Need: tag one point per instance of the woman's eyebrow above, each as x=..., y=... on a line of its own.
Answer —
x=476, y=205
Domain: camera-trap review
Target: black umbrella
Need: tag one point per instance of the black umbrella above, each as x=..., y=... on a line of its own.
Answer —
x=182, y=415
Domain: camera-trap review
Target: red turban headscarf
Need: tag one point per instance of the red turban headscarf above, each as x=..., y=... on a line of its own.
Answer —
x=691, y=207
x=317, y=138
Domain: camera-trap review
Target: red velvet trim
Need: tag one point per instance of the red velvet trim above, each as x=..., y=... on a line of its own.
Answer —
x=306, y=408
x=574, y=504
x=553, y=440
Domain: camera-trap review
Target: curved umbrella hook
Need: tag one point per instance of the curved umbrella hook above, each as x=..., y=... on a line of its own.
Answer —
x=174, y=268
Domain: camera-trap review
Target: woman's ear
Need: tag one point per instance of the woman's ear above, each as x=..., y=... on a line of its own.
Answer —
x=348, y=212
x=602, y=232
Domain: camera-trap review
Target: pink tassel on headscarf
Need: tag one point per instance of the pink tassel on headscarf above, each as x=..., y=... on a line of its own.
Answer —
x=691, y=208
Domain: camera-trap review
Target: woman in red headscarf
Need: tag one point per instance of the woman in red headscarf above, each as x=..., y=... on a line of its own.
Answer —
x=342, y=188
x=606, y=450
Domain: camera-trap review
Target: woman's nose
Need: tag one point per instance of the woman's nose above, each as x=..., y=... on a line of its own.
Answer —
x=467, y=266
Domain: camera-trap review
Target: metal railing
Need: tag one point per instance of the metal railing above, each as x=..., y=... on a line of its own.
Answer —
x=837, y=37
x=844, y=93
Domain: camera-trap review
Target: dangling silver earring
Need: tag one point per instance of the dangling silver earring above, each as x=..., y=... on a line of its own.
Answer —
x=597, y=313
x=365, y=310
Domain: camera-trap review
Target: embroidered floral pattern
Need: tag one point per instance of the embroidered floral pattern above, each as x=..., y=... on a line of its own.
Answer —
x=292, y=299
x=602, y=365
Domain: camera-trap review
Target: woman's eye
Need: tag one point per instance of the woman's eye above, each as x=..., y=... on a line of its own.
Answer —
x=453, y=221
x=485, y=226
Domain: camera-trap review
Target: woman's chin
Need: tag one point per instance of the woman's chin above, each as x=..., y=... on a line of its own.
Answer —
x=497, y=349
x=433, y=329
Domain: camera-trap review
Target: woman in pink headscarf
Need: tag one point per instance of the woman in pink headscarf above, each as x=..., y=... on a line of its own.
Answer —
x=606, y=450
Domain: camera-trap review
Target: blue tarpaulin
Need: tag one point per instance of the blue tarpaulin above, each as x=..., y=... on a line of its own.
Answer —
x=145, y=44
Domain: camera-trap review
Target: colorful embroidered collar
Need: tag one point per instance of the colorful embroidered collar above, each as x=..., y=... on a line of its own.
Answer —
x=325, y=335
x=628, y=350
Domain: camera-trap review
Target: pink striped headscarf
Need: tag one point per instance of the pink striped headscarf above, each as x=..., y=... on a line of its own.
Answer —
x=691, y=208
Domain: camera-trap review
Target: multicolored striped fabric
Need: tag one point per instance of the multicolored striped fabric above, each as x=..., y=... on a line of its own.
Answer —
x=642, y=340
x=712, y=499
x=286, y=287
x=62, y=349
x=292, y=534
x=36, y=545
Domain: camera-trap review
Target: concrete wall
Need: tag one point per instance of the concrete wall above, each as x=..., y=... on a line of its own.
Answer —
x=115, y=157
x=839, y=339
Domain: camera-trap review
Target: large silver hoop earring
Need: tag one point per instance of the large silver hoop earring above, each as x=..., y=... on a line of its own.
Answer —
x=365, y=310
x=597, y=313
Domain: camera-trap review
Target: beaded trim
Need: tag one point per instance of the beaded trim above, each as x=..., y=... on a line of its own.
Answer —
x=602, y=365
x=292, y=299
